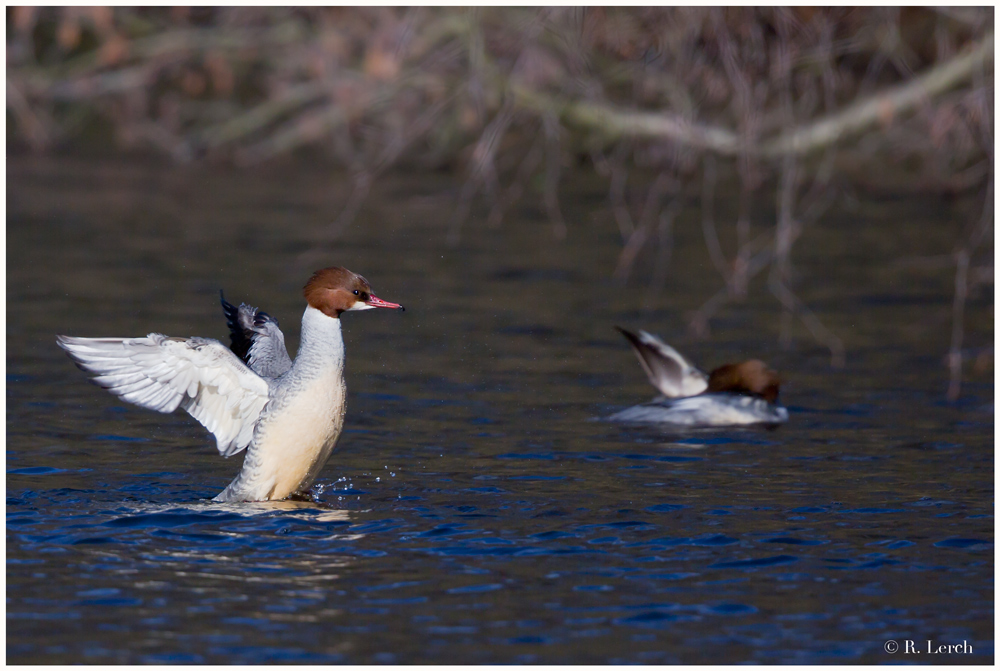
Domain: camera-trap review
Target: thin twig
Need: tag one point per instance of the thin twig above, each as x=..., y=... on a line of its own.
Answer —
x=962, y=256
x=784, y=236
x=637, y=240
x=665, y=235
x=786, y=232
x=364, y=177
x=553, y=157
x=708, y=219
x=698, y=324
x=483, y=170
x=794, y=305
x=34, y=129
x=957, y=321
x=524, y=171
x=260, y=116
x=616, y=191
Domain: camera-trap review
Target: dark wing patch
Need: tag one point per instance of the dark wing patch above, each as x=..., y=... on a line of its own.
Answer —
x=256, y=339
x=240, y=321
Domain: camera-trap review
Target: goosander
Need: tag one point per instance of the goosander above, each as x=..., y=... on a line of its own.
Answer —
x=734, y=394
x=286, y=414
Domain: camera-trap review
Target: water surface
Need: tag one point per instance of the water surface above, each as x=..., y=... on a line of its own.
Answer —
x=474, y=512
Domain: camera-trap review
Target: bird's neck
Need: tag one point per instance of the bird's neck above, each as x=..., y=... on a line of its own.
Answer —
x=322, y=345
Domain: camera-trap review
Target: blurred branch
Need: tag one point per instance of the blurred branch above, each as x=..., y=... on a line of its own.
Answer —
x=612, y=122
x=96, y=85
x=708, y=219
x=34, y=129
x=882, y=107
x=262, y=115
x=483, y=173
x=665, y=235
x=177, y=42
x=787, y=230
x=699, y=321
x=637, y=239
x=308, y=126
x=553, y=158
x=364, y=177
x=982, y=228
x=957, y=326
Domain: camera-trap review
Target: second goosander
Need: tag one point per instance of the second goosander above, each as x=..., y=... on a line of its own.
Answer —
x=734, y=394
x=286, y=414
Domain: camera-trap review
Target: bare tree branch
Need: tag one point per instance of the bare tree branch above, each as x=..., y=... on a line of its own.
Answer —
x=613, y=122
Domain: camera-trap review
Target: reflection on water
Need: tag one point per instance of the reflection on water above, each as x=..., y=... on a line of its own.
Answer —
x=474, y=512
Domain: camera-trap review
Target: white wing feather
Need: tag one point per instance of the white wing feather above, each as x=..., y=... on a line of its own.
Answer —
x=666, y=369
x=200, y=375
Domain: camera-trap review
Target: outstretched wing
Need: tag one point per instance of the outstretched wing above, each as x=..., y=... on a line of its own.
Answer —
x=159, y=373
x=666, y=369
x=256, y=339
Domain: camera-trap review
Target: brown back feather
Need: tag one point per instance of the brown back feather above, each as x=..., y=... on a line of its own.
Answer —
x=752, y=377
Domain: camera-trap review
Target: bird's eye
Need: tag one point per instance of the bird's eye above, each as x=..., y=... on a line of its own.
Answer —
x=355, y=292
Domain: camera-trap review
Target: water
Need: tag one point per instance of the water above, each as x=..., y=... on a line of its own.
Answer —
x=474, y=512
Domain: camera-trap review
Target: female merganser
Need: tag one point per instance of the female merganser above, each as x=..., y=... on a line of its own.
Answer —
x=286, y=414
x=740, y=393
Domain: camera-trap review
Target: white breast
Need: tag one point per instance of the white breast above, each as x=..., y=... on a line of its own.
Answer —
x=294, y=443
x=705, y=410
